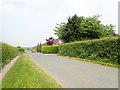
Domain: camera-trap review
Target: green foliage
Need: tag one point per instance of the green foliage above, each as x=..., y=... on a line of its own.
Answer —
x=21, y=50
x=0, y=56
x=81, y=28
x=28, y=49
x=18, y=46
x=8, y=53
x=39, y=46
x=50, y=49
x=34, y=49
x=105, y=50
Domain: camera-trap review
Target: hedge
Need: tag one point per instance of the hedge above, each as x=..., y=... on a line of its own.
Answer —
x=49, y=49
x=21, y=50
x=0, y=56
x=105, y=50
x=8, y=53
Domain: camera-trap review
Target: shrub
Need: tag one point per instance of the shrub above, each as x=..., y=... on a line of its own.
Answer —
x=38, y=49
x=49, y=49
x=21, y=50
x=8, y=53
x=105, y=50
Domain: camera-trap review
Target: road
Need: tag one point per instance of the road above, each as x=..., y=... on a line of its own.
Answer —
x=76, y=74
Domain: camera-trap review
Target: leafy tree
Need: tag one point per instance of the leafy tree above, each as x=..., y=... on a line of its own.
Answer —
x=18, y=46
x=39, y=47
x=59, y=31
x=50, y=41
x=108, y=30
x=80, y=28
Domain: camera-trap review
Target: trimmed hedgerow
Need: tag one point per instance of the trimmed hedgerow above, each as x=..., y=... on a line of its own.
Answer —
x=49, y=49
x=105, y=50
x=0, y=55
x=8, y=53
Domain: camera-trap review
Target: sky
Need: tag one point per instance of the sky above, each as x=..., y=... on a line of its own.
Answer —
x=28, y=22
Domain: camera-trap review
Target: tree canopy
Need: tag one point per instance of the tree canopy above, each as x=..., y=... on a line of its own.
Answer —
x=80, y=28
x=50, y=41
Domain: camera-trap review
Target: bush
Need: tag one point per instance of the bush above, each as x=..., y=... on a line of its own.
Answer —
x=38, y=49
x=105, y=50
x=8, y=53
x=49, y=49
x=21, y=50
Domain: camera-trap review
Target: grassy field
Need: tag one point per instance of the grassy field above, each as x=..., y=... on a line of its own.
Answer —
x=91, y=61
x=26, y=74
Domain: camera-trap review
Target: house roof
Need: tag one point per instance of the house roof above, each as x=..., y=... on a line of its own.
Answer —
x=56, y=42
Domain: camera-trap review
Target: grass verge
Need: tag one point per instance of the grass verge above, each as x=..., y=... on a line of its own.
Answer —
x=91, y=61
x=0, y=85
x=26, y=74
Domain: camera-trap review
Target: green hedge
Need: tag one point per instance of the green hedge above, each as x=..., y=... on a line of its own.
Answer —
x=21, y=50
x=105, y=50
x=49, y=49
x=8, y=53
x=0, y=56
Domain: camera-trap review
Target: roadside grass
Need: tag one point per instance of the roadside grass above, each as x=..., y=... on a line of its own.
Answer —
x=0, y=84
x=92, y=61
x=26, y=74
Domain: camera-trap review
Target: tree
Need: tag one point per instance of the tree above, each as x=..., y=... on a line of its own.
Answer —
x=50, y=41
x=108, y=30
x=59, y=30
x=18, y=46
x=80, y=28
x=39, y=47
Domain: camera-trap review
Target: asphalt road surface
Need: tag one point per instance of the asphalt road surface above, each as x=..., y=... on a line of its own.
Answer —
x=76, y=74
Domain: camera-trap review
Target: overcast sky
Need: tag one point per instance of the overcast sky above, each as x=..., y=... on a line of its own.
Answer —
x=27, y=22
